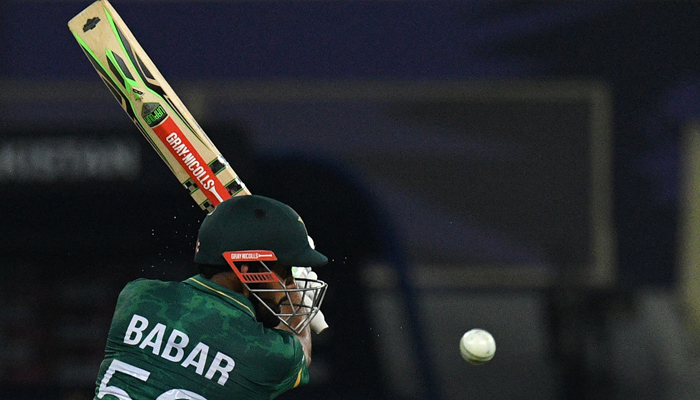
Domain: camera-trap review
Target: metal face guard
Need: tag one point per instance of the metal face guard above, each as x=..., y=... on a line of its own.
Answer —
x=312, y=291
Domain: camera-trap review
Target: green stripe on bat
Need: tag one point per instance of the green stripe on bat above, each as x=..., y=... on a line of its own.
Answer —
x=142, y=82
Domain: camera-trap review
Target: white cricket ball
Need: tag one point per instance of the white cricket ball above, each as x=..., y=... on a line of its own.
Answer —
x=477, y=346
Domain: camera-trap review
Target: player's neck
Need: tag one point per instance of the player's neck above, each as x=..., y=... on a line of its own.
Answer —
x=230, y=281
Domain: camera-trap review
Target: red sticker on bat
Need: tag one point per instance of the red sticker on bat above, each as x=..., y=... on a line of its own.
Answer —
x=190, y=160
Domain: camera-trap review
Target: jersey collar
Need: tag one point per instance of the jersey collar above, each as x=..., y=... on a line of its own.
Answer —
x=228, y=295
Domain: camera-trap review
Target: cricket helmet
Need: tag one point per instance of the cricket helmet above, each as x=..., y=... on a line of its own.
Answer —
x=259, y=229
x=256, y=223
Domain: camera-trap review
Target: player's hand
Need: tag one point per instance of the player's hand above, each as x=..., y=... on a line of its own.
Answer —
x=318, y=323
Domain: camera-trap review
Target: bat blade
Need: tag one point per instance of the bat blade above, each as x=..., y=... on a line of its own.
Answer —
x=153, y=106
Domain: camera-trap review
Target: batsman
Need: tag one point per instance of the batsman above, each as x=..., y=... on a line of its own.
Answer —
x=240, y=329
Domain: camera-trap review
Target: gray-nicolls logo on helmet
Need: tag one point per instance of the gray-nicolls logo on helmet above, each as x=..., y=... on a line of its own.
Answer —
x=260, y=231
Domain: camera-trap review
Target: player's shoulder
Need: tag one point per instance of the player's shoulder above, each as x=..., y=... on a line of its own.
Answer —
x=144, y=286
x=143, y=283
x=281, y=345
x=285, y=360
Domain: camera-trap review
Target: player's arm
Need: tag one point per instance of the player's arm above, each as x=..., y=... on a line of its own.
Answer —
x=305, y=335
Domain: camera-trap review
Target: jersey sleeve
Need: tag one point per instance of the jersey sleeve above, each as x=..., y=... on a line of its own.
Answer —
x=295, y=373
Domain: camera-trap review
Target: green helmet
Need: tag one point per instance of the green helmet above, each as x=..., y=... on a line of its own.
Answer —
x=256, y=223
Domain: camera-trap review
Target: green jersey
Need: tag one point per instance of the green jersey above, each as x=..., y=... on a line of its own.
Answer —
x=194, y=340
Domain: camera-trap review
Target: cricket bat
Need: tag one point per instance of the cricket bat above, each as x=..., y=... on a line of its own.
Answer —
x=153, y=106
x=157, y=111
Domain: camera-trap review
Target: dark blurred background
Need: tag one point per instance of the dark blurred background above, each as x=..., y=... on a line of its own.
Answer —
x=524, y=167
